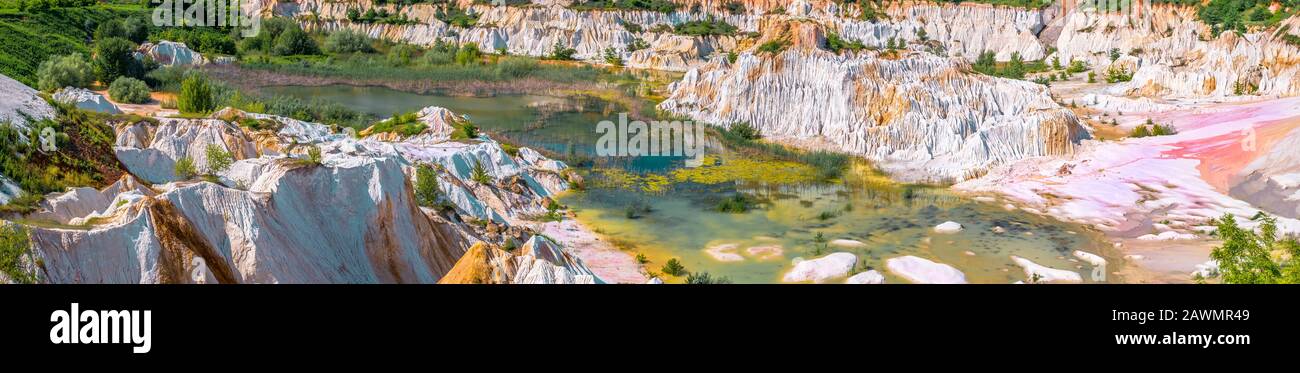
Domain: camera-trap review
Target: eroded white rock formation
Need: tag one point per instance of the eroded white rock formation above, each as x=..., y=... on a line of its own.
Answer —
x=278, y=218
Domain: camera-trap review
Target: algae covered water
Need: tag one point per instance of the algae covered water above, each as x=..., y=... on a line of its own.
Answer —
x=747, y=219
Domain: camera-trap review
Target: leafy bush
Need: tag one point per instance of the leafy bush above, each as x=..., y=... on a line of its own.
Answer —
x=774, y=46
x=407, y=124
x=196, y=95
x=1152, y=129
x=673, y=267
x=736, y=204
x=561, y=52
x=662, y=6
x=612, y=57
x=15, y=250
x=348, y=41
x=402, y=54
x=709, y=26
x=744, y=131
x=313, y=155
x=129, y=90
x=1118, y=74
x=836, y=44
x=468, y=54
x=1250, y=257
x=218, y=159
x=64, y=71
x=113, y=58
x=185, y=168
x=456, y=17
x=294, y=41
x=464, y=130
x=513, y=68
x=704, y=278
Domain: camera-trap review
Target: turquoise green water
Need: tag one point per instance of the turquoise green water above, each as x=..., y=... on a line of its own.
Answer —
x=757, y=246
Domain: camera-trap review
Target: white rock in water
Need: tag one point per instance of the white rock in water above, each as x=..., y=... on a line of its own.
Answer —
x=821, y=269
x=948, y=227
x=1167, y=236
x=765, y=252
x=654, y=281
x=1046, y=274
x=848, y=243
x=86, y=100
x=868, y=277
x=724, y=253
x=923, y=271
x=1094, y=259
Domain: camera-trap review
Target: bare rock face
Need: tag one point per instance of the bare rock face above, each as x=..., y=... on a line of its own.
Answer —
x=19, y=102
x=1272, y=181
x=169, y=53
x=922, y=117
x=1175, y=55
x=86, y=99
x=963, y=30
x=539, y=261
x=150, y=150
x=276, y=217
x=347, y=224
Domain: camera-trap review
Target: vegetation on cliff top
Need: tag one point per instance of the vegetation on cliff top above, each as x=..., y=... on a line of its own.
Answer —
x=84, y=155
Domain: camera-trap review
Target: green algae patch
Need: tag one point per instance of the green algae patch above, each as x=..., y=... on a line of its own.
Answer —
x=745, y=170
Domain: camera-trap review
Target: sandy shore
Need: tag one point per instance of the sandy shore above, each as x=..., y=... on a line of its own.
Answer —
x=609, y=263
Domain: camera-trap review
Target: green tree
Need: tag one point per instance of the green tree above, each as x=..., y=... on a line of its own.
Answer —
x=560, y=52
x=479, y=174
x=673, y=267
x=1255, y=257
x=196, y=95
x=113, y=58
x=612, y=57
x=348, y=41
x=135, y=29
x=468, y=54
x=112, y=28
x=218, y=159
x=129, y=90
x=185, y=168
x=402, y=54
x=313, y=155
x=64, y=71
x=294, y=41
x=427, y=191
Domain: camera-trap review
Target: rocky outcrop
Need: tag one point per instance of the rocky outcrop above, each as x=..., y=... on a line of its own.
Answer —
x=923, y=118
x=923, y=271
x=19, y=103
x=86, y=99
x=1272, y=181
x=1172, y=54
x=8, y=190
x=169, y=53
x=821, y=269
x=540, y=261
x=276, y=217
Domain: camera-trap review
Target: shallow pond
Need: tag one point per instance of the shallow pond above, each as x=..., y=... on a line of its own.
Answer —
x=654, y=206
